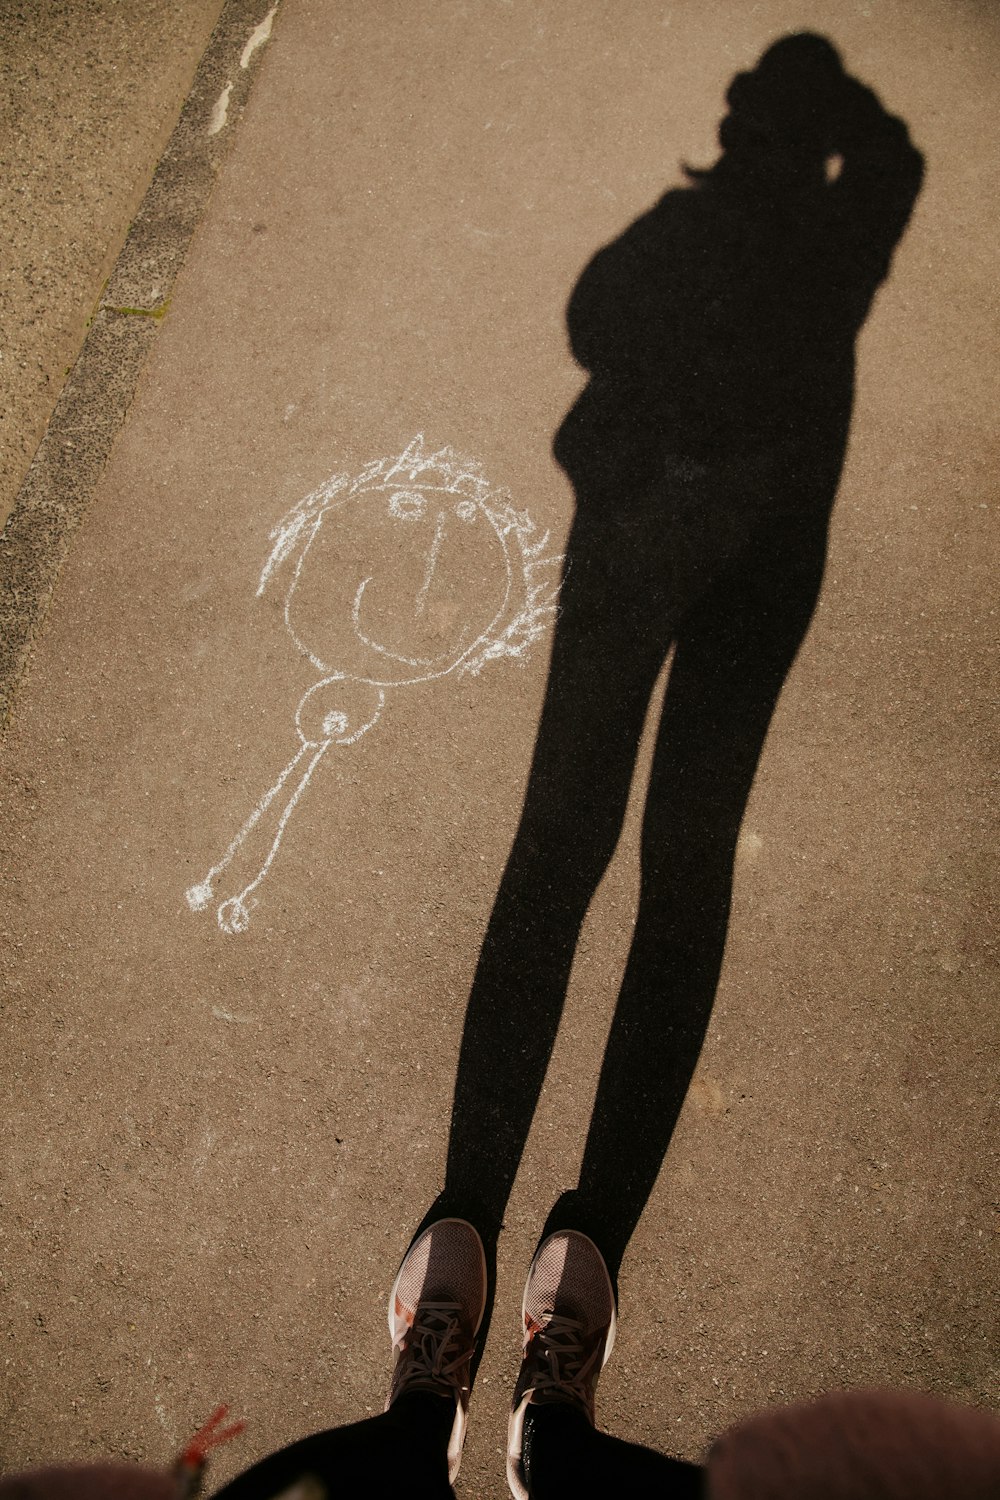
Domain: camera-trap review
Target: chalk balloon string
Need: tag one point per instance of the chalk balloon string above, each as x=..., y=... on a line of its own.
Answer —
x=234, y=913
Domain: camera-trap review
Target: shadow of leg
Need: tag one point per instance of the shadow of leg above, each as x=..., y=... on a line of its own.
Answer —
x=604, y=664
x=733, y=654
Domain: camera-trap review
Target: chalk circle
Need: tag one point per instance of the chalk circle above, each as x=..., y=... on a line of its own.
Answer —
x=396, y=586
x=408, y=505
x=338, y=710
x=234, y=915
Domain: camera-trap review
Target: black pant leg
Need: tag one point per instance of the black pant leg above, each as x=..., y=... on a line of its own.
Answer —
x=567, y=1459
x=402, y=1453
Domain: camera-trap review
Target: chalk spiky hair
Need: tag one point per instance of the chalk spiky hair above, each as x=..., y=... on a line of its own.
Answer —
x=533, y=573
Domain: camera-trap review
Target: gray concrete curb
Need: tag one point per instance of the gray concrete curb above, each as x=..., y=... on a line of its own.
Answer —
x=59, y=486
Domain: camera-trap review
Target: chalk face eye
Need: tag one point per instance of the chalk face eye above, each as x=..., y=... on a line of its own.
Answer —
x=466, y=511
x=407, y=505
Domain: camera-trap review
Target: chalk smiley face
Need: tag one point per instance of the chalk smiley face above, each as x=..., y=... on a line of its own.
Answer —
x=410, y=571
x=398, y=583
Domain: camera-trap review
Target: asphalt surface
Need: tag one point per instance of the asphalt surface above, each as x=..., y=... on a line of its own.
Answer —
x=222, y=1133
x=90, y=92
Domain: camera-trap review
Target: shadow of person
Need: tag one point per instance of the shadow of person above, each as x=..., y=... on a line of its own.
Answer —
x=705, y=452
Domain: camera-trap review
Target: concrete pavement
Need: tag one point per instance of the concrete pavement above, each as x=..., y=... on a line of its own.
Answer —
x=91, y=92
x=221, y=1140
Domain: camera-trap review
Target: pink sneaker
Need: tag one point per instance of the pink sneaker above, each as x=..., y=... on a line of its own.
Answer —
x=435, y=1309
x=569, y=1331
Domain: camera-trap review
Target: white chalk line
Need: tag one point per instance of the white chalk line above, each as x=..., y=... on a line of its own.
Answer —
x=516, y=625
x=234, y=915
x=432, y=562
x=198, y=896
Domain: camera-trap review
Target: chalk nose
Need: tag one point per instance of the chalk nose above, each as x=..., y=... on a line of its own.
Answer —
x=431, y=561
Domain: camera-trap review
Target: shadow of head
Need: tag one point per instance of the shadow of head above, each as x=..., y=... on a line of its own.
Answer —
x=789, y=108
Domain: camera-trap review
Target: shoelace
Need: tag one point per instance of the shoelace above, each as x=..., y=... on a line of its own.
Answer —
x=436, y=1347
x=564, y=1364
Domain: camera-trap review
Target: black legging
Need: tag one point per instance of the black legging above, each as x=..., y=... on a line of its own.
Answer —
x=402, y=1455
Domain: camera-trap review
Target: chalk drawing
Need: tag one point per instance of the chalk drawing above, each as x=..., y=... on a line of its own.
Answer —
x=413, y=570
